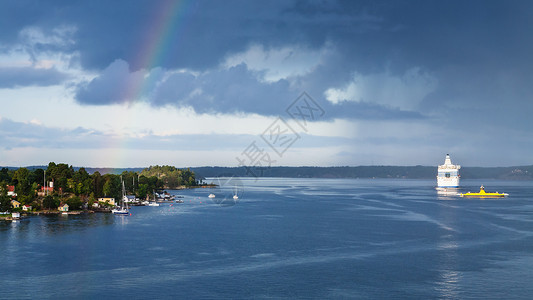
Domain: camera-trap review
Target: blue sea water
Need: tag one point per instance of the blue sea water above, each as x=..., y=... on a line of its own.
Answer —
x=284, y=238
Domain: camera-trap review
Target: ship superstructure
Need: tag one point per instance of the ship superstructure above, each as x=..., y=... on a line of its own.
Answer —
x=448, y=174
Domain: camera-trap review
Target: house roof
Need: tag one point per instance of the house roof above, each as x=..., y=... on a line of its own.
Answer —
x=10, y=188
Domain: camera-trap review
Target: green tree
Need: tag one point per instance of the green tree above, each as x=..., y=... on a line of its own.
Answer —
x=81, y=182
x=142, y=191
x=91, y=200
x=60, y=174
x=5, y=176
x=130, y=181
x=23, y=184
x=169, y=176
x=49, y=202
x=112, y=186
x=97, y=184
x=74, y=203
x=87, y=186
x=24, y=199
x=37, y=176
x=5, y=200
x=36, y=205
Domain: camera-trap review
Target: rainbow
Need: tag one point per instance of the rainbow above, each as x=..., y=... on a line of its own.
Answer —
x=166, y=28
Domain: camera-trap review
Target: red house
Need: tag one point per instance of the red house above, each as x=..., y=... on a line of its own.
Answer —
x=11, y=191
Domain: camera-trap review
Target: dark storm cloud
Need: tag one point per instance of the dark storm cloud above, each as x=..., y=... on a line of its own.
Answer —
x=233, y=90
x=28, y=76
x=205, y=32
x=370, y=33
x=114, y=85
x=478, y=51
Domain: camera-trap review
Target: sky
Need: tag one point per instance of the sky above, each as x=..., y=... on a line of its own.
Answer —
x=133, y=83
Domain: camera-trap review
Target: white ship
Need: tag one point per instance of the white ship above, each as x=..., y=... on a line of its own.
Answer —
x=448, y=174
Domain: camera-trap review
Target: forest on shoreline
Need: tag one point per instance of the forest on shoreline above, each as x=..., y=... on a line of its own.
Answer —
x=57, y=184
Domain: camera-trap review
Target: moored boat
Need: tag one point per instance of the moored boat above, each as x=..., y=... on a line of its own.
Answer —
x=123, y=208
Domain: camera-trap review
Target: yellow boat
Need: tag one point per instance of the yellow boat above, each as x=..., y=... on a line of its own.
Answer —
x=483, y=194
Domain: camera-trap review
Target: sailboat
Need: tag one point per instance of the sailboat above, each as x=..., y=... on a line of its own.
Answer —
x=153, y=203
x=235, y=197
x=123, y=208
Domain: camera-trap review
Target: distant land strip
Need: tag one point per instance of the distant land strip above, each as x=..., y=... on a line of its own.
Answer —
x=408, y=172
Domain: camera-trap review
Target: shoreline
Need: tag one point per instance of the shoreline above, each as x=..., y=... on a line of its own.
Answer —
x=23, y=215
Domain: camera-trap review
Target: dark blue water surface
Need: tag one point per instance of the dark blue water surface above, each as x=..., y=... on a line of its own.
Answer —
x=284, y=238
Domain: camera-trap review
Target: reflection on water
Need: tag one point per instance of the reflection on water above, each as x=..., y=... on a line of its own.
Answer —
x=61, y=224
x=55, y=223
x=121, y=219
x=448, y=282
x=448, y=193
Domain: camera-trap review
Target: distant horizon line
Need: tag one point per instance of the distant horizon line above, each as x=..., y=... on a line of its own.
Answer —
x=270, y=167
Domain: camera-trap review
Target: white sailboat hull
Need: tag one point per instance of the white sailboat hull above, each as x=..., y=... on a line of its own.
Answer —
x=120, y=212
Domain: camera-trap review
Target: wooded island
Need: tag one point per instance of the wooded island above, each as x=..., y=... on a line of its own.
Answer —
x=59, y=184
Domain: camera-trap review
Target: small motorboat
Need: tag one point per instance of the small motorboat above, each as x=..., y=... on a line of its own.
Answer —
x=483, y=194
x=211, y=196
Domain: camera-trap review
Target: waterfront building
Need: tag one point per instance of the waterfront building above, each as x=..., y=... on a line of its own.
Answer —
x=110, y=201
x=15, y=203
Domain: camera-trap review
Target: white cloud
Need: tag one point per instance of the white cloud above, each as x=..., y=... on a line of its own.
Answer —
x=278, y=63
x=39, y=52
x=46, y=48
x=89, y=147
x=36, y=122
x=405, y=91
x=58, y=36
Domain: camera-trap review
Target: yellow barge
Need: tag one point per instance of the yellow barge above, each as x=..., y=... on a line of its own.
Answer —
x=483, y=194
